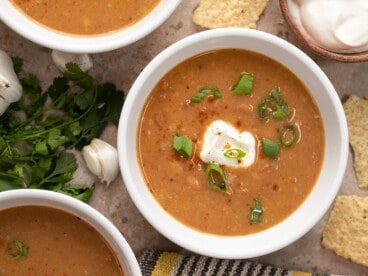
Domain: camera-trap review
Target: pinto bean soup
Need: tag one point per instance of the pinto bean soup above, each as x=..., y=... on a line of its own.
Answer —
x=38, y=240
x=86, y=17
x=251, y=93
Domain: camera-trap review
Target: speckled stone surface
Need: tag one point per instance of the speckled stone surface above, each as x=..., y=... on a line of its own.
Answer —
x=122, y=66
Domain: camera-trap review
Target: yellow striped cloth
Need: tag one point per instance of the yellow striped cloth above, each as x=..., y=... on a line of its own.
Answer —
x=163, y=263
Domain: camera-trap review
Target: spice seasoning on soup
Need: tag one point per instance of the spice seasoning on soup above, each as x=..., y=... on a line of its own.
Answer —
x=37, y=240
x=244, y=174
x=86, y=17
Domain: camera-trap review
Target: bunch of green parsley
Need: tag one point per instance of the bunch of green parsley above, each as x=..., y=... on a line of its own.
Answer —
x=38, y=132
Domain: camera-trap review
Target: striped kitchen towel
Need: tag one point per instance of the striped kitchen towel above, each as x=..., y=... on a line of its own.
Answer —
x=163, y=263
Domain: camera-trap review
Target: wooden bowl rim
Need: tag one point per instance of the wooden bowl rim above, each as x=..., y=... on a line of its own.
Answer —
x=344, y=57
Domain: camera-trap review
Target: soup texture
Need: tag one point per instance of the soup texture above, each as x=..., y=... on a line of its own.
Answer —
x=86, y=17
x=36, y=240
x=247, y=92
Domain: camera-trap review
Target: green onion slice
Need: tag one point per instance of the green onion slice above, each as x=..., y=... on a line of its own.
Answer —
x=244, y=85
x=216, y=177
x=282, y=107
x=273, y=106
x=205, y=91
x=234, y=153
x=270, y=148
x=287, y=135
x=17, y=249
x=278, y=113
x=264, y=110
x=183, y=145
x=256, y=212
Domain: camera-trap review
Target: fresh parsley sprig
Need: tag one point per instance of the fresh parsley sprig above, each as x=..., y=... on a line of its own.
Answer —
x=38, y=132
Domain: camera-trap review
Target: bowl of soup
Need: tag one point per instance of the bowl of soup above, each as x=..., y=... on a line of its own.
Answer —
x=233, y=143
x=48, y=233
x=85, y=26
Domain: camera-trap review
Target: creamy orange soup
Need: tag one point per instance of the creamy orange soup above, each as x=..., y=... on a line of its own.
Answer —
x=277, y=185
x=86, y=17
x=37, y=240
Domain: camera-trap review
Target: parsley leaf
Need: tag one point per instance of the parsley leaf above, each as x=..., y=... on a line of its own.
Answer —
x=37, y=132
x=81, y=78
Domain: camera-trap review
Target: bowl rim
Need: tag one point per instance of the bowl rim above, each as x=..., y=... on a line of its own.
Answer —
x=115, y=239
x=35, y=32
x=226, y=247
x=309, y=44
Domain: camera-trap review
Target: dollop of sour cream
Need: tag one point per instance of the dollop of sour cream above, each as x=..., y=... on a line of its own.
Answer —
x=336, y=25
x=225, y=145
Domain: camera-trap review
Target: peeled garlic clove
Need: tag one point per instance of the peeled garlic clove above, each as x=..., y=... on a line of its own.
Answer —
x=61, y=58
x=102, y=160
x=10, y=87
x=3, y=106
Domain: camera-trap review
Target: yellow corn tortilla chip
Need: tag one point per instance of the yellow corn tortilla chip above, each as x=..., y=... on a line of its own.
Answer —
x=346, y=232
x=228, y=13
x=356, y=110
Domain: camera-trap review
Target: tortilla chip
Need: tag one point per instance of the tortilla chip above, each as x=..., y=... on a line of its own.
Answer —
x=228, y=13
x=346, y=232
x=356, y=110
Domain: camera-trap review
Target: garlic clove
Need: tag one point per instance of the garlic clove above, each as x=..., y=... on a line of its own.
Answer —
x=61, y=58
x=3, y=105
x=92, y=161
x=102, y=160
x=10, y=87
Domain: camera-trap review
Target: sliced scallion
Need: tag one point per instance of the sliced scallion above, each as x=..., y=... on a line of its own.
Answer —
x=278, y=113
x=216, y=177
x=183, y=145
x=205, y=91
x=256, y=212
x=263, y=109
x=275, y=94
x=244, y=85
x=234, y=153
x=287, y=135
x=270, y=148
x=17, y=249
x=273, y=106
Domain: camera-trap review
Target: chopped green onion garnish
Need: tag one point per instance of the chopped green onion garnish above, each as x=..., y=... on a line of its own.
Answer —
x=216, y=177
x=278, y=113
x=273, y=106
x=256, y=212
x=270, y=148
x=281, y=104
x=17, y=249
x=287, y=135
x=183, y=145
x=264, y=110
x=244, y=85
x=234, y=153
x=205, y=91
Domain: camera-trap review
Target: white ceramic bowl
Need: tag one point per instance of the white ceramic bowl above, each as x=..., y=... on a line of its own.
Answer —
x=27, y=197
x=29, y=29
x=333, y=167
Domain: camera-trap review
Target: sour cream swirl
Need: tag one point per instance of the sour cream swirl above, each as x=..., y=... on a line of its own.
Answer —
x=222, y=138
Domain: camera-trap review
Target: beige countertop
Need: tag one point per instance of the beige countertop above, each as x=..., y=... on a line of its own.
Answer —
x=122, y=66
